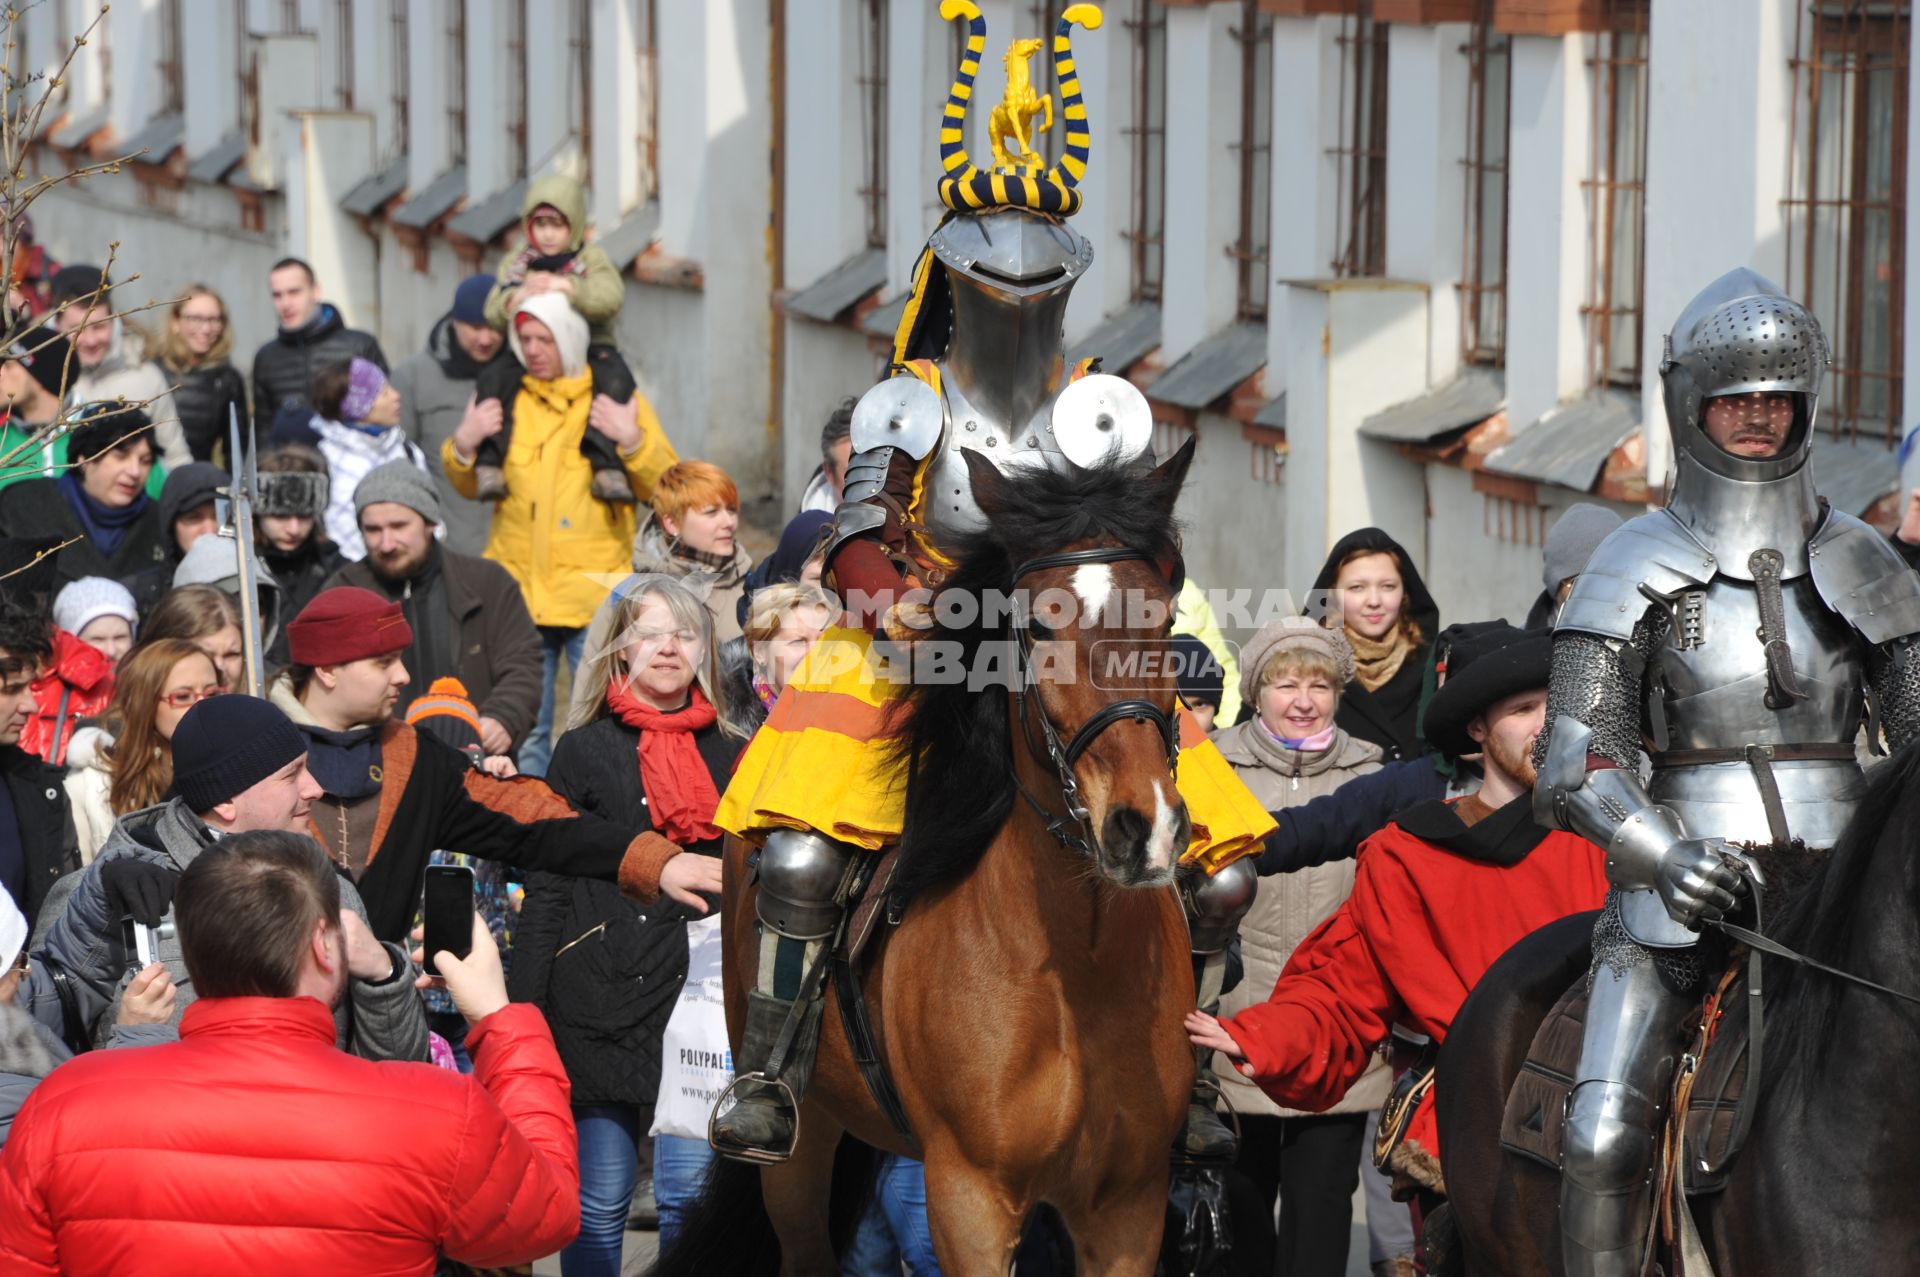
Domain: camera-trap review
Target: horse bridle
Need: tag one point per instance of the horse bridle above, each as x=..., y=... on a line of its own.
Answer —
x=1071, y=830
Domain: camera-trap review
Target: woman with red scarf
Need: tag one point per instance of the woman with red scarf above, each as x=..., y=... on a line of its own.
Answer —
x=649, y=747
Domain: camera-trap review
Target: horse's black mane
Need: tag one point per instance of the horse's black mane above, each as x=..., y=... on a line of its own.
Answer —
x=1823, y=921
x=960, y=784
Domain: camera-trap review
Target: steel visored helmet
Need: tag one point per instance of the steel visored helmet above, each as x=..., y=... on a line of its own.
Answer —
x=1739, y=335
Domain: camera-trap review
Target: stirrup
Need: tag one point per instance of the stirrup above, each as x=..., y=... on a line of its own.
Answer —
x=744, y=1152
x=1179, y=1156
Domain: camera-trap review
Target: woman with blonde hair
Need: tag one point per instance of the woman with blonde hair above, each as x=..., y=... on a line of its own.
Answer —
x=783, y=623
x=1292, y=676
x=650, y=748
x=127, y=762
x=205, y=616
x=193, y=357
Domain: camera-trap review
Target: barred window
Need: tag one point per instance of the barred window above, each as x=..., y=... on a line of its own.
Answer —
x=456, y=82
x=1360, y=191
x=646, y=68
x=397, y=72
x=173, y=97
x=1483, y=273
x=1846, y=203
x=580, y=72
x=516, y=76
x=1046, y=20
x=872, y=84
x=342, y=54
x=1146, y=134
x=1616, y=196
x=1254, y=146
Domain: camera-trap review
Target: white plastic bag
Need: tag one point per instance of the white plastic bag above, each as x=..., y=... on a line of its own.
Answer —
x=695, y=1061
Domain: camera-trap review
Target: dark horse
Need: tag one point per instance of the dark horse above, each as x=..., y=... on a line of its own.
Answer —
x=1029, y=1003
x=1825, y=1183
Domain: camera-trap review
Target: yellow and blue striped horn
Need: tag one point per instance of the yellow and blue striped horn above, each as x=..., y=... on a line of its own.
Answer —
x=965, y=188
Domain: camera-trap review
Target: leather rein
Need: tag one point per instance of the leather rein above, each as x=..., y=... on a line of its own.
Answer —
x=1071, y=830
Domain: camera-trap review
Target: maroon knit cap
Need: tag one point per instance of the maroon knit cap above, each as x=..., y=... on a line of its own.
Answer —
x=345, y=624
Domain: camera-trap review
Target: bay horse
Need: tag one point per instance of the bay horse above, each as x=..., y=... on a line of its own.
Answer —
x=1824, y=1184
x=1028, y=1004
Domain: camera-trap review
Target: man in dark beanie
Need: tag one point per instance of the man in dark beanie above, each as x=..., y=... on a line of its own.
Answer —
x=1440, y=893
x=1199, y=678
x=238, y=765
x=468, y=617
x=391, y=794
x=435, y=385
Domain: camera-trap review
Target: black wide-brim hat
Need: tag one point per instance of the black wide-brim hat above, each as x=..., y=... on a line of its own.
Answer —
x=1483, y=668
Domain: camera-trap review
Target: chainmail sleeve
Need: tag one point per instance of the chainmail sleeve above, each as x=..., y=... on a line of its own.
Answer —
x=1601, y=683
x=1893, y=671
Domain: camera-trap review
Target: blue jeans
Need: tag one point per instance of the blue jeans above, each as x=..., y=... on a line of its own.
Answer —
x=555, y=641
x=679, y=1173
x=609, y=1162
x=895, y=1227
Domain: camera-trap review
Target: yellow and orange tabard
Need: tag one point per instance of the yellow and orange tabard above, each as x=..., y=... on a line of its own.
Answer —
x=826, y=760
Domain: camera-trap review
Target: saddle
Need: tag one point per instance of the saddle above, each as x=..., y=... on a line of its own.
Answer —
x=867, y=904
x=1708, y=1087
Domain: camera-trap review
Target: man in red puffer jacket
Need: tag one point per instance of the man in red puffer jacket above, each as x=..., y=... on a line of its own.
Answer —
x=253, y=1145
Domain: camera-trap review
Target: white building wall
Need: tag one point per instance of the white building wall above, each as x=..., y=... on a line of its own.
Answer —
x=1714, y=186
x=1203, y=121
x=1426, y=192
x=1547, y=236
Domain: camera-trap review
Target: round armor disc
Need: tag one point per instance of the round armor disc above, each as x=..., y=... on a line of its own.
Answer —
x=1100, y=415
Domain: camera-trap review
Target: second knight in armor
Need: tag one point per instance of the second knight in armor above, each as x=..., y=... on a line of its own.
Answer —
x=1735, y=641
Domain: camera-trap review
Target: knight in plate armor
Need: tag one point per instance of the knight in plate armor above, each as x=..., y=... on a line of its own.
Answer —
x=1739, y=639
x=978, y=364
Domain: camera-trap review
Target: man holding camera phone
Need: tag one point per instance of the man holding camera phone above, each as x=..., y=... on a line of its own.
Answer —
x=297, y=1157
x=238, y=766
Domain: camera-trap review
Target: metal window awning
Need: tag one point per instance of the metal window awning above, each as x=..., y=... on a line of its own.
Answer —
x=483, y=222
x=434, y=203
x=372, y=193
x=1852, y=474
x=162, y=136
x=884, y=320
x=82, y=127
x=1122, y=339
x=1214, y=367
x=840, y=289
x=1570, y=445
x=1469, y=399
x=633, y=236
x=1273, y=413
x=219, y=160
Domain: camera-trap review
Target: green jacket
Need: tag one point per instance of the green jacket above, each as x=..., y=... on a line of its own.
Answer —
x=597, y=286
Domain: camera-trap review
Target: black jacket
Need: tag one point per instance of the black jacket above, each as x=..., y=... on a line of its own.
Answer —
x=605, y=970
x=33, y=509
x=283, y=369
x=47, y=841
x=1388, y=716
x=301, y=575
x=203, y=396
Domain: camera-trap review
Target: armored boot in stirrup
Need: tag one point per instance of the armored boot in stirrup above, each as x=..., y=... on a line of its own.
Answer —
x=803, y=879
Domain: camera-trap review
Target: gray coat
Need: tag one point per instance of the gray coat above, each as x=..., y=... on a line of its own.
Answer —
x=30, y=1045
x=432, y=402
x=376, y=1021
x=1287, y=907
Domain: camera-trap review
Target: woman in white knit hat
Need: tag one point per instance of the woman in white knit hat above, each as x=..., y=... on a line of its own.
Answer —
x=1292, y=674
x=100, y=613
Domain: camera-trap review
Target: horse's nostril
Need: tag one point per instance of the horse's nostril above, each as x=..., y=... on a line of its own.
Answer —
x=1123, y=835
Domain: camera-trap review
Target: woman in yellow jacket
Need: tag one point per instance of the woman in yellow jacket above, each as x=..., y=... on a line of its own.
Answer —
x=566, y=549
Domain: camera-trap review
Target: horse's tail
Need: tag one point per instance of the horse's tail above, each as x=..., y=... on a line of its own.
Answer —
x=727, y=1230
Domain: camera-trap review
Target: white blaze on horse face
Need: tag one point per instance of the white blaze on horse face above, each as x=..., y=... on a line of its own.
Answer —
x=1093, y=582
x=1160, y=848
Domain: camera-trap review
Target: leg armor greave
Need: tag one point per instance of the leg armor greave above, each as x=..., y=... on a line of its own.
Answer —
x=802, y=875
x=1215, y=904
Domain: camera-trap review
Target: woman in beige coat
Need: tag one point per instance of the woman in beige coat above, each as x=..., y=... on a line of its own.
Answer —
x=1289, y=752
